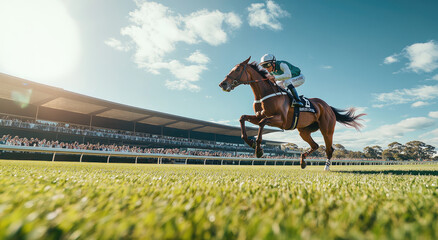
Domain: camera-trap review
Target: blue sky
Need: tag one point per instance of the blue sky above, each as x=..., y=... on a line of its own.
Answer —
x=170, y=55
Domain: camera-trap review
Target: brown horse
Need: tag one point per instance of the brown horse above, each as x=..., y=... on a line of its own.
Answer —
x=273, y=108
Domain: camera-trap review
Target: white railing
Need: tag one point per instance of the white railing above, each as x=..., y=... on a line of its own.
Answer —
x=159, y=157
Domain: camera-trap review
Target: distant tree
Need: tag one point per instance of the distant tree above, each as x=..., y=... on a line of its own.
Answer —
x=395, y=151
x=387, y=154
x=340, y=151
x=378, y=150
x=355, y=154
x=320, y=152
x=373, y=152
x=401, y=157
x=419, y=150
x=396, y=147
x=430, y=151
x=290, y=146
x=339, y=147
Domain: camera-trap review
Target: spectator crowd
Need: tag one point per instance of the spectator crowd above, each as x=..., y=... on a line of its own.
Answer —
x=35, y=142
x=48, y=126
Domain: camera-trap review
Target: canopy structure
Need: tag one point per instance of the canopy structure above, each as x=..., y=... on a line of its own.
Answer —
x=20, y=97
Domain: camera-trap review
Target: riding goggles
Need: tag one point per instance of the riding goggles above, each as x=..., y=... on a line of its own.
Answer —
x=266, y=65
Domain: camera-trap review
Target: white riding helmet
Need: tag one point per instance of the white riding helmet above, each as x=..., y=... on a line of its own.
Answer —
x=267, y=58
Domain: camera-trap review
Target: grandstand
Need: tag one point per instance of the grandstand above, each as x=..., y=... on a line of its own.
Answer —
x=32, y=110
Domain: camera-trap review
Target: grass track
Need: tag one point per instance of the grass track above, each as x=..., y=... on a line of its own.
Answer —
x=45, y=200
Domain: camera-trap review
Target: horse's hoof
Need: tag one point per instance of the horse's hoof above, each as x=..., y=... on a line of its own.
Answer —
x=260, y=153
x=303, y=164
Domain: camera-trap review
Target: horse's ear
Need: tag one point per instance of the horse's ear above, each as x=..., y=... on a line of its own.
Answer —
x=247, y=60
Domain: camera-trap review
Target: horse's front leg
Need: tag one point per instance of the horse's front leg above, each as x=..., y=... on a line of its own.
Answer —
x=273, y=120
x=252, y=119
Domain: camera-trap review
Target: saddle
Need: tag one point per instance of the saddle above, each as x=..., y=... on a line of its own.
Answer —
x=308, y=107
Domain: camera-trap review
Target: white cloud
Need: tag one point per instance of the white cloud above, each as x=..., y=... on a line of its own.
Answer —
x=233, y=20
x=435, y=77
x=186, y=75
x=326, y=67
x=410, y=124
x=378, y=105
x=384, y=134
x=391, y=59
x=155, y=31
x=208, y=25
x=360, y=110
x=431, y=138
x=419, y=104
x=434, y=132
x=116, y=44
x=181, y=85
x=401, y=96
x=433, y=114
x=263, y=15
x=198, y=57
x=422, y=57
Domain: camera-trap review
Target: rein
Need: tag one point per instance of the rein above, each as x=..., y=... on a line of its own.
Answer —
x=236, y=81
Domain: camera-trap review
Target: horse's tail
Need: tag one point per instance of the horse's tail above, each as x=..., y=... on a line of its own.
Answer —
x=348, y=118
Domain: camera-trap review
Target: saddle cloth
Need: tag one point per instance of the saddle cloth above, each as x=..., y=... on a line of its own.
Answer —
x=308, y=106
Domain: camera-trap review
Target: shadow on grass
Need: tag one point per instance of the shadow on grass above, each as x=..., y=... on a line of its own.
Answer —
x=394, y=172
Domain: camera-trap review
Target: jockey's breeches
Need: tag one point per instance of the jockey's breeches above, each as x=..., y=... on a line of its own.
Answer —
x=296, y=81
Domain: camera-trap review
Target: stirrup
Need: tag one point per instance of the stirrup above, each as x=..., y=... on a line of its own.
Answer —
x=295, y=103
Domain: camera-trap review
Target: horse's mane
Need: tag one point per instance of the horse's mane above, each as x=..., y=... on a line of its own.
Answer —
x=259, y=69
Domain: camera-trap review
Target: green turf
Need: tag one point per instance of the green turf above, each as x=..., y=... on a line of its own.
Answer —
x=46, y=200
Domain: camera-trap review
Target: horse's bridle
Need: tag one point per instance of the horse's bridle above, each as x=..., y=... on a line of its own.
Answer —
x=236, y=81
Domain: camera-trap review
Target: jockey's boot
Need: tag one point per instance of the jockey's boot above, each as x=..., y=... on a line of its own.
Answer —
x=296, y=101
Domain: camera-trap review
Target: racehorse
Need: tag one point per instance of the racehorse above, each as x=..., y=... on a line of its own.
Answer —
x=273, y=108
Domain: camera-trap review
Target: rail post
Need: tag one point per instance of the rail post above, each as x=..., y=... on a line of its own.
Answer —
x=53, y=158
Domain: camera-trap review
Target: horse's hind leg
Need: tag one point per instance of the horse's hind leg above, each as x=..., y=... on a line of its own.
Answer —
x=327, y=131
x=305, y=135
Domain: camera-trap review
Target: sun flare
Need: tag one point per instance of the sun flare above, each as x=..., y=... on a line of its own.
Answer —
x=39, y=40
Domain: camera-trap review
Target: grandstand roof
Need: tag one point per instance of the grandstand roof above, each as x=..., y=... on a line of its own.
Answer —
x=25, y=91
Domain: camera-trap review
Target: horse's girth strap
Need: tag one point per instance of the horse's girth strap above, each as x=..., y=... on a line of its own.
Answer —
x=269, y=96
x=295, y=118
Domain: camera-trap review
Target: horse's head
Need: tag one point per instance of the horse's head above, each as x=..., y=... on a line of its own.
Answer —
x=237, y=76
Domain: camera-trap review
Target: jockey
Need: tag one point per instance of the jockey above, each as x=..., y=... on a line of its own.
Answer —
x=285, y=74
